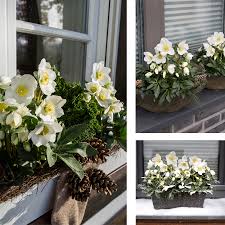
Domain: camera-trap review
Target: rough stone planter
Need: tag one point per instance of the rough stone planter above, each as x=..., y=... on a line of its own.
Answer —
x=182, y=200
x=215, y=83
x=176, y=104
x=29, y=206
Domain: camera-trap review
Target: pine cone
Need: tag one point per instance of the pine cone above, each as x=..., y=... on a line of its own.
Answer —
x=100, y=157
x=103, y=151
x=101, y=182
x=79, y=189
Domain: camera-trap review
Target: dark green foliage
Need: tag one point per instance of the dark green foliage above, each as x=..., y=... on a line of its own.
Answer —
x=213, y=66
x=166, y=89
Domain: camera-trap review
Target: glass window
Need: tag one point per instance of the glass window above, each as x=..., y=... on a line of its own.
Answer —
x=68, y=56
x=62, y=14
x=192, y=21
x=207, y=150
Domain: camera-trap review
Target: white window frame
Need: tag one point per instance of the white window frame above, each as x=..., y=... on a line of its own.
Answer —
x=102, y=36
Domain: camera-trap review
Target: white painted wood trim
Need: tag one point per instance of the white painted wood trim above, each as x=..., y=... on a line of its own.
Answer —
x=113, y=37
x=102, y=30
x=37, y=29
x=93, y=20
x=11, y=38
x=109, y=211
x=8, y=38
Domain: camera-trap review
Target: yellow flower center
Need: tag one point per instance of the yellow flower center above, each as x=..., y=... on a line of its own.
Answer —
x=183, y=164
x=44, y=131
x=102, y=97
x=49, y=108
x=194, y=160
x=3, y=107
x=166, y=47
x=171, y=157
x=93, y=88
x=160, y=56
x=22, y=90
x=44, y=79
x=99, y=75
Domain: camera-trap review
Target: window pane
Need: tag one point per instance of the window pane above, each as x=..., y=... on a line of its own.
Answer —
x=62, y=14
x=207, y=150
x=68, y=56
x=192, y=20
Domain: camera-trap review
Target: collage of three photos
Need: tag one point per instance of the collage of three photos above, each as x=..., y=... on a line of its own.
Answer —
x=66, y=129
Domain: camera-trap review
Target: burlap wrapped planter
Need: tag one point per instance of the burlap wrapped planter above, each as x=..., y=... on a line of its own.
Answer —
x=182, y=200
x=147, y=102
x=215, y=83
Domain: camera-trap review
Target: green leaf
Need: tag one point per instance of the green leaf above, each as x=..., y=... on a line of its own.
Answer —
x=83, y=149
x=73, y=164
x=157, y=91
x=30, y=121
x=51, y=157
x=123, y=138
x=72, y=133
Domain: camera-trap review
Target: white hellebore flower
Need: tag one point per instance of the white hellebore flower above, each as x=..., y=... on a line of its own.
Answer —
x=184, y=64
x=146, y=172
x=157, y=160
x=87, y=97
x=168, y=187
x=93, y=87
x=152, y=66
x=189, y=57
x=182, y=48
x=115, y=107
x=163, y=167
x=5, y=81
x=101, y=73
x=159, y=58
x=149, y=74
x=104, y=98
x=171, y=68
x=165, y=47
x=14, y=120
x=148, y=57
x=224, y=51
x=187, y=173
x=194, y=160
x=200, y=168
x=46, y=77
x=183, y=165
x=150, y=164
x=186, y=71
x=171, y=159
x=22, y=89
x=210, y=51
x=216, y=39
x=45, y=133
x=212, y=172
x=51, y=108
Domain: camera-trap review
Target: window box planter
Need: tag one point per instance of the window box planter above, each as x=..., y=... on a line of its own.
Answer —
x=38, y=200
x=182, y=200
x=29, y=206
x=216, y=83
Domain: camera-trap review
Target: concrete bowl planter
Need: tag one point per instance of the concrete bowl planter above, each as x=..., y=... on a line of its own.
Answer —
x=182, y=200
x=29, y=206
x=215, y=83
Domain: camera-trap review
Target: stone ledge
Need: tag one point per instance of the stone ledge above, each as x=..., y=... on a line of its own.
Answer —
x=200, y=116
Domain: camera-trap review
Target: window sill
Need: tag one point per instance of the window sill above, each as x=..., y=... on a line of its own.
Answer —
x=213, y=209
x=206, y=115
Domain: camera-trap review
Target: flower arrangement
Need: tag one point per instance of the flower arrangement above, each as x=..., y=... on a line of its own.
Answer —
x=40, y=129
x=212, y=54
x=171, y=177
x=170, y=73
